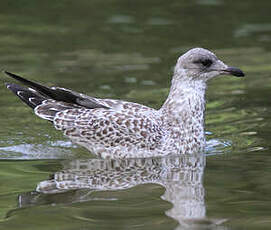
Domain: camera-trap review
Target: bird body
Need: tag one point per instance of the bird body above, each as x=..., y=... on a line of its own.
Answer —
x=118, y=129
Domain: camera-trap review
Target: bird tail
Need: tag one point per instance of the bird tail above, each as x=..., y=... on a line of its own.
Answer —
x=38, y=97
x=47, y=101
x=27, y=95
x=53, y=93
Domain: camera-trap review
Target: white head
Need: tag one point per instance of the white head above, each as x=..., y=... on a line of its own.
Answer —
x=202, y=64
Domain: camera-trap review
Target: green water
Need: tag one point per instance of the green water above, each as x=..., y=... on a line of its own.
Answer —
x=127, y=49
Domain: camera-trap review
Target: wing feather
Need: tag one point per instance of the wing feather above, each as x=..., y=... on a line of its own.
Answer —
x=108, y=127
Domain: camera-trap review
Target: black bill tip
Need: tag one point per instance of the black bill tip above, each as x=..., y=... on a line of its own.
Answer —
x=235, y=71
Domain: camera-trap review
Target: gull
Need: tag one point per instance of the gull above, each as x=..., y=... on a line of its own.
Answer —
x=112, y=128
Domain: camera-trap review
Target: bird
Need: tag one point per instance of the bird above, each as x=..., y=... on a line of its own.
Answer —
x=112, y=128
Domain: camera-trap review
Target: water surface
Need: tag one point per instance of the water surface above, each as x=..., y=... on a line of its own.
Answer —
x=127, y=49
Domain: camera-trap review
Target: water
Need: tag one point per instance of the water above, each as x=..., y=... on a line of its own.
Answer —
x=127, y=49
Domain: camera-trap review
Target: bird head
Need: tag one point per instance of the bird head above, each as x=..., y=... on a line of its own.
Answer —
x=202, y=64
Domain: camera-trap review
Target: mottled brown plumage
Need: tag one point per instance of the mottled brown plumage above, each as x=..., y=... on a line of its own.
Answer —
x=119, y=129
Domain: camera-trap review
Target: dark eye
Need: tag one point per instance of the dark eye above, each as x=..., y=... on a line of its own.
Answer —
x=205, y=62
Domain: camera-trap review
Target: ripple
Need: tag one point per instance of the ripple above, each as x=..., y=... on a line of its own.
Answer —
x=159, y=22
x=49, y=150
x=249, y=29
x=217, y=147
x=119, y=19
x=210, y=2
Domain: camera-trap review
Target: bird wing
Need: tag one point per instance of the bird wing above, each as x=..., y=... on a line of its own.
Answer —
x=55, y=93
x=108, y=128
x=92, y=102
x=91, y=121
x=38, y=94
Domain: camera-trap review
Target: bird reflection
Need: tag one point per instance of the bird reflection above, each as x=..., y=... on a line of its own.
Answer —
x=181, y=176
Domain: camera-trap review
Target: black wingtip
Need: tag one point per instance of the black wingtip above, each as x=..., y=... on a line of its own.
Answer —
x=29, y=97
x=14, y=76
x=56, y=94
x=40, y=88
x=8, y=73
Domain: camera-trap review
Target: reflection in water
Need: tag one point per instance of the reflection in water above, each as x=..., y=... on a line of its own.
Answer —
x=181, y=176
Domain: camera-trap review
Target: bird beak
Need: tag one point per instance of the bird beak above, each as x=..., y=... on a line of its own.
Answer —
x=233, y=71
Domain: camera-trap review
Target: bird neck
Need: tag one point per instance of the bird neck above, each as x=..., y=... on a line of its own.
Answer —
x=185, y=96
x=183, y=110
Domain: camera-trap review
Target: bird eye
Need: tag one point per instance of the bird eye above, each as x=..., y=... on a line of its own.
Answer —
x=205, y=62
